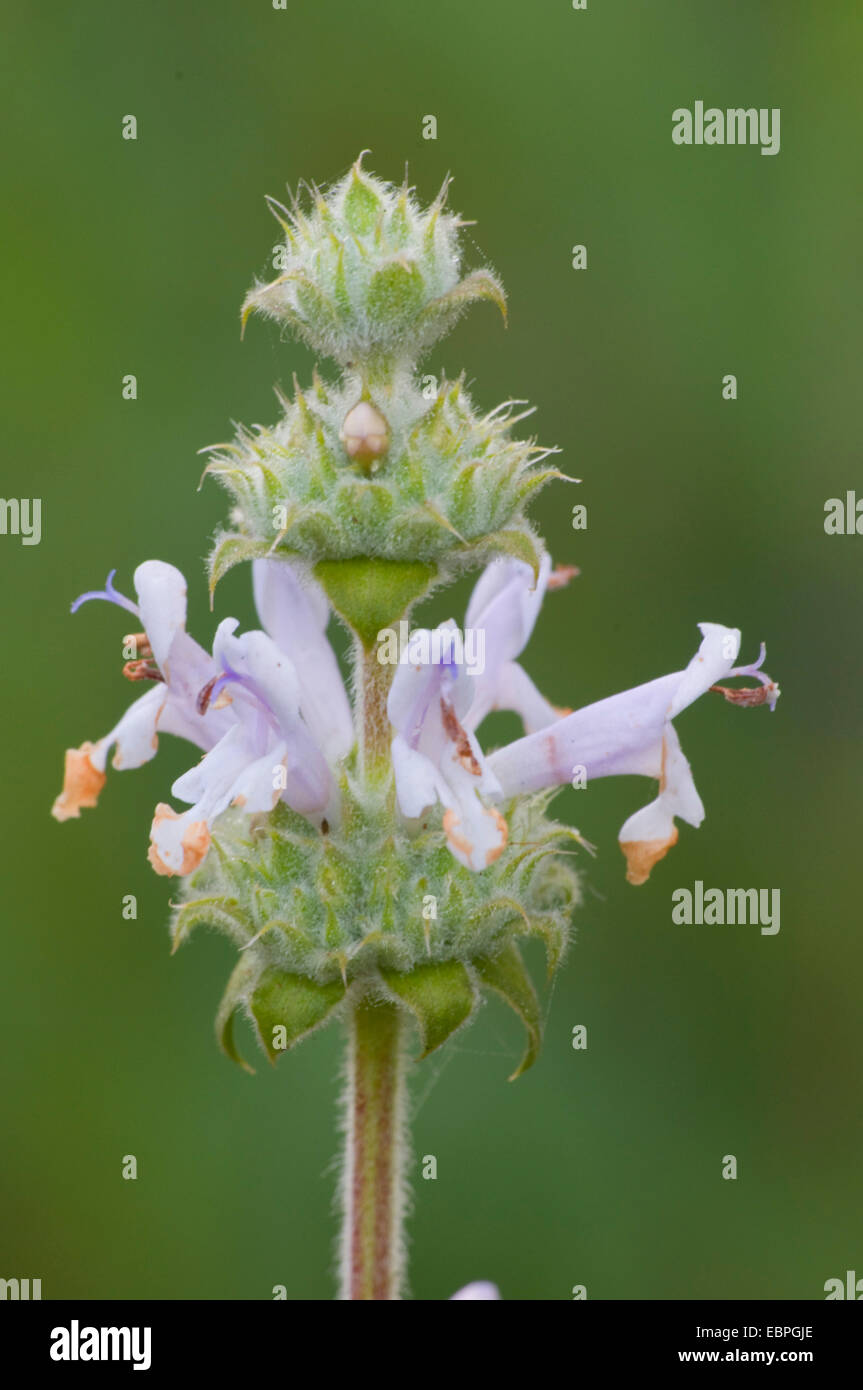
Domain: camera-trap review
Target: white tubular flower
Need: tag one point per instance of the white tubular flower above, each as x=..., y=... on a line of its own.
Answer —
x=165, y=654
x=479, y=1290
x=295, y=613
x=505, y=605
x=435, y=709
x=633, y=733
x=435, y=758
x=269, y=728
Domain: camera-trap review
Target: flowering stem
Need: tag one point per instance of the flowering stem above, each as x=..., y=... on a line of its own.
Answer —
x=373, y=680
x=372, y=1240
x=372, y=1186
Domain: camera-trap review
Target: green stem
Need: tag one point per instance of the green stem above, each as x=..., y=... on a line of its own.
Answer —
x=373, y=1179
x=373, y=680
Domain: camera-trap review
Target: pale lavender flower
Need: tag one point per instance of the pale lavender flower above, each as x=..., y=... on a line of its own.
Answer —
x=480, y=1289
x=436, y=708
x=268, y=709
x=270, y=713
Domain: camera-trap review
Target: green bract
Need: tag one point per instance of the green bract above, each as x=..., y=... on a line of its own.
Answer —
x=382, y=484
x=383, y=464
x=450, y=490
x=368, y=274
x=375, y=908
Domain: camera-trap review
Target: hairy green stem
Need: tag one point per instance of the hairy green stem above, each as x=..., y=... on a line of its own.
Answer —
x=373, y=1179
x=373, y=680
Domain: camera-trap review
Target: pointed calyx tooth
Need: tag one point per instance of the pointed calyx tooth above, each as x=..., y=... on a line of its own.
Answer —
x=365, y=433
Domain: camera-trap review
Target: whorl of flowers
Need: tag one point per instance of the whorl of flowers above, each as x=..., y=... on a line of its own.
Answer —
x=370, y=845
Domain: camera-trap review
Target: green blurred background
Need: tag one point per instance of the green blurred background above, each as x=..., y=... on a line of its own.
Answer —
x=602, y=1167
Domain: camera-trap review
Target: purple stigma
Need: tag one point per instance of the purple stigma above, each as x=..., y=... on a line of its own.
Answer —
x=755, y=668
x=109, y=594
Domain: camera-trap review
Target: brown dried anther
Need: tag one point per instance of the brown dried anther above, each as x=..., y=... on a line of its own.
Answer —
x=457, y=735
x=561, y=575
x=142, y=669
x=204, y=696
x=746, y=696
x=140, y=643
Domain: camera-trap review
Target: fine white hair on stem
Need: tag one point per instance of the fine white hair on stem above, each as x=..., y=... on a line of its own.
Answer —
x=373, y=1189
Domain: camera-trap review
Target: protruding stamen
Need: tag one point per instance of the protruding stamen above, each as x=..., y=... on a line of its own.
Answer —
x=748, y=696
x=561, y=575
x=142, y=670
x=140, y=643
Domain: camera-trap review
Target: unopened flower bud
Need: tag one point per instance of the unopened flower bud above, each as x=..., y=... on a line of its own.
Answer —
x=365, y=433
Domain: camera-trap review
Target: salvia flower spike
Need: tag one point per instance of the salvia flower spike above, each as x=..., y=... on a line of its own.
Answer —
x=371, y=859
